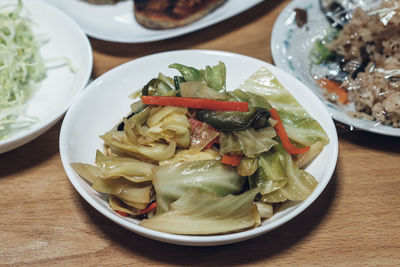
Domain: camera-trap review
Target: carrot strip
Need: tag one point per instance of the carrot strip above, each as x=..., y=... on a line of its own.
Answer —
x=199, y=103
x=122, y=213
x=296, y=150
x=334, y=87
x=149, y=208
x=281, y=132
x=232, y=160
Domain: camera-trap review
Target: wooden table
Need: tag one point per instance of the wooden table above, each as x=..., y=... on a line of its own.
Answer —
x=356, y=221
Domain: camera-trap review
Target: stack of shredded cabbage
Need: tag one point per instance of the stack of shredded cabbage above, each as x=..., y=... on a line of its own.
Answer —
x=21, y=68
x=162, y=154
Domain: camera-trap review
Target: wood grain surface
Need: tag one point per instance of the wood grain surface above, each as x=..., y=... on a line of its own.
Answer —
x=355, y=222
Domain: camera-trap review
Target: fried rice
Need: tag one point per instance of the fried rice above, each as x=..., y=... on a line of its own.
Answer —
x=372, y=38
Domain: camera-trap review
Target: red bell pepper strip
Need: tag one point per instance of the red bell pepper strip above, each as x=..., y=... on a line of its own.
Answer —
x=199, y=103
x=232, y=160
x=281, y=132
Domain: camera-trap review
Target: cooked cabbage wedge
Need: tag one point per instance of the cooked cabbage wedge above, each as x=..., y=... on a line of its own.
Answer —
x=156, y=124
x=131, y=169
x=198, y=213
x=299, y=125
x=119, y=187
x=185, y=155
x=247, y=166
x=118, y=142
x=116, y=204
x=279, y=179
x=172, y=181
x=265, y=210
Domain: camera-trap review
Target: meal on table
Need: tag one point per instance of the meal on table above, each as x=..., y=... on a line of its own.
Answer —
x=194, y=158
x=363, y=59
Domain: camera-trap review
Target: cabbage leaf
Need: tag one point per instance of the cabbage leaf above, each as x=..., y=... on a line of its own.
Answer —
x=120, y=187
x=299, y=125
x=119, y=142
x=199, y=89
x=214, y=77
x=131, y=169
x=198, y=213
x=172, y=181
x=279, y=179
x=185, y=155
x=159, y=123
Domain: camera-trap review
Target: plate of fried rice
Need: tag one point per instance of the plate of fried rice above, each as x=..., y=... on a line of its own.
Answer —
x=348, y=53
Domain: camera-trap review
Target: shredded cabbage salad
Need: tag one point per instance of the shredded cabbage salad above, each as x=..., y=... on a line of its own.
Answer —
x=21, y=68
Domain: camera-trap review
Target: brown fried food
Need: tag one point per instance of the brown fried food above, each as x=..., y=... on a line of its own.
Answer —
x=166, y=14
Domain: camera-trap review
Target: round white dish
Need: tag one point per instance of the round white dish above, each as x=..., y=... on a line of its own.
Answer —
x=55, y=93
x=291, y=46
x=117, y=23
x=106, y=101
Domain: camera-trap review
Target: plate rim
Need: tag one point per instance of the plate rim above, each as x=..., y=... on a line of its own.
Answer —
x=184, y=239
x=351, y=122
x=25, y=136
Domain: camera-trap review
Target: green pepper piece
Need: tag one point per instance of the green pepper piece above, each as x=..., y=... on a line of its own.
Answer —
x=234, y=120
x=257, y=116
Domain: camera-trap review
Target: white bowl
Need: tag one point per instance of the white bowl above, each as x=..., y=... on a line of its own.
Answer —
x=106, y=101
x=56, y=91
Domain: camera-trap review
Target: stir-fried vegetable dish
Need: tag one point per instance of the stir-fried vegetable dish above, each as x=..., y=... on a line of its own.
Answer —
x=194, y=158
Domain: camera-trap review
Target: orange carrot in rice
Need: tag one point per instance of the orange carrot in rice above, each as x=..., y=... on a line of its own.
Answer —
x=334, y=87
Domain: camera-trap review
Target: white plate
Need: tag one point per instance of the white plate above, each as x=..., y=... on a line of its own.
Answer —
x=106, y=101
x=117, y=23
x=291, y=48
x=56, y=91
